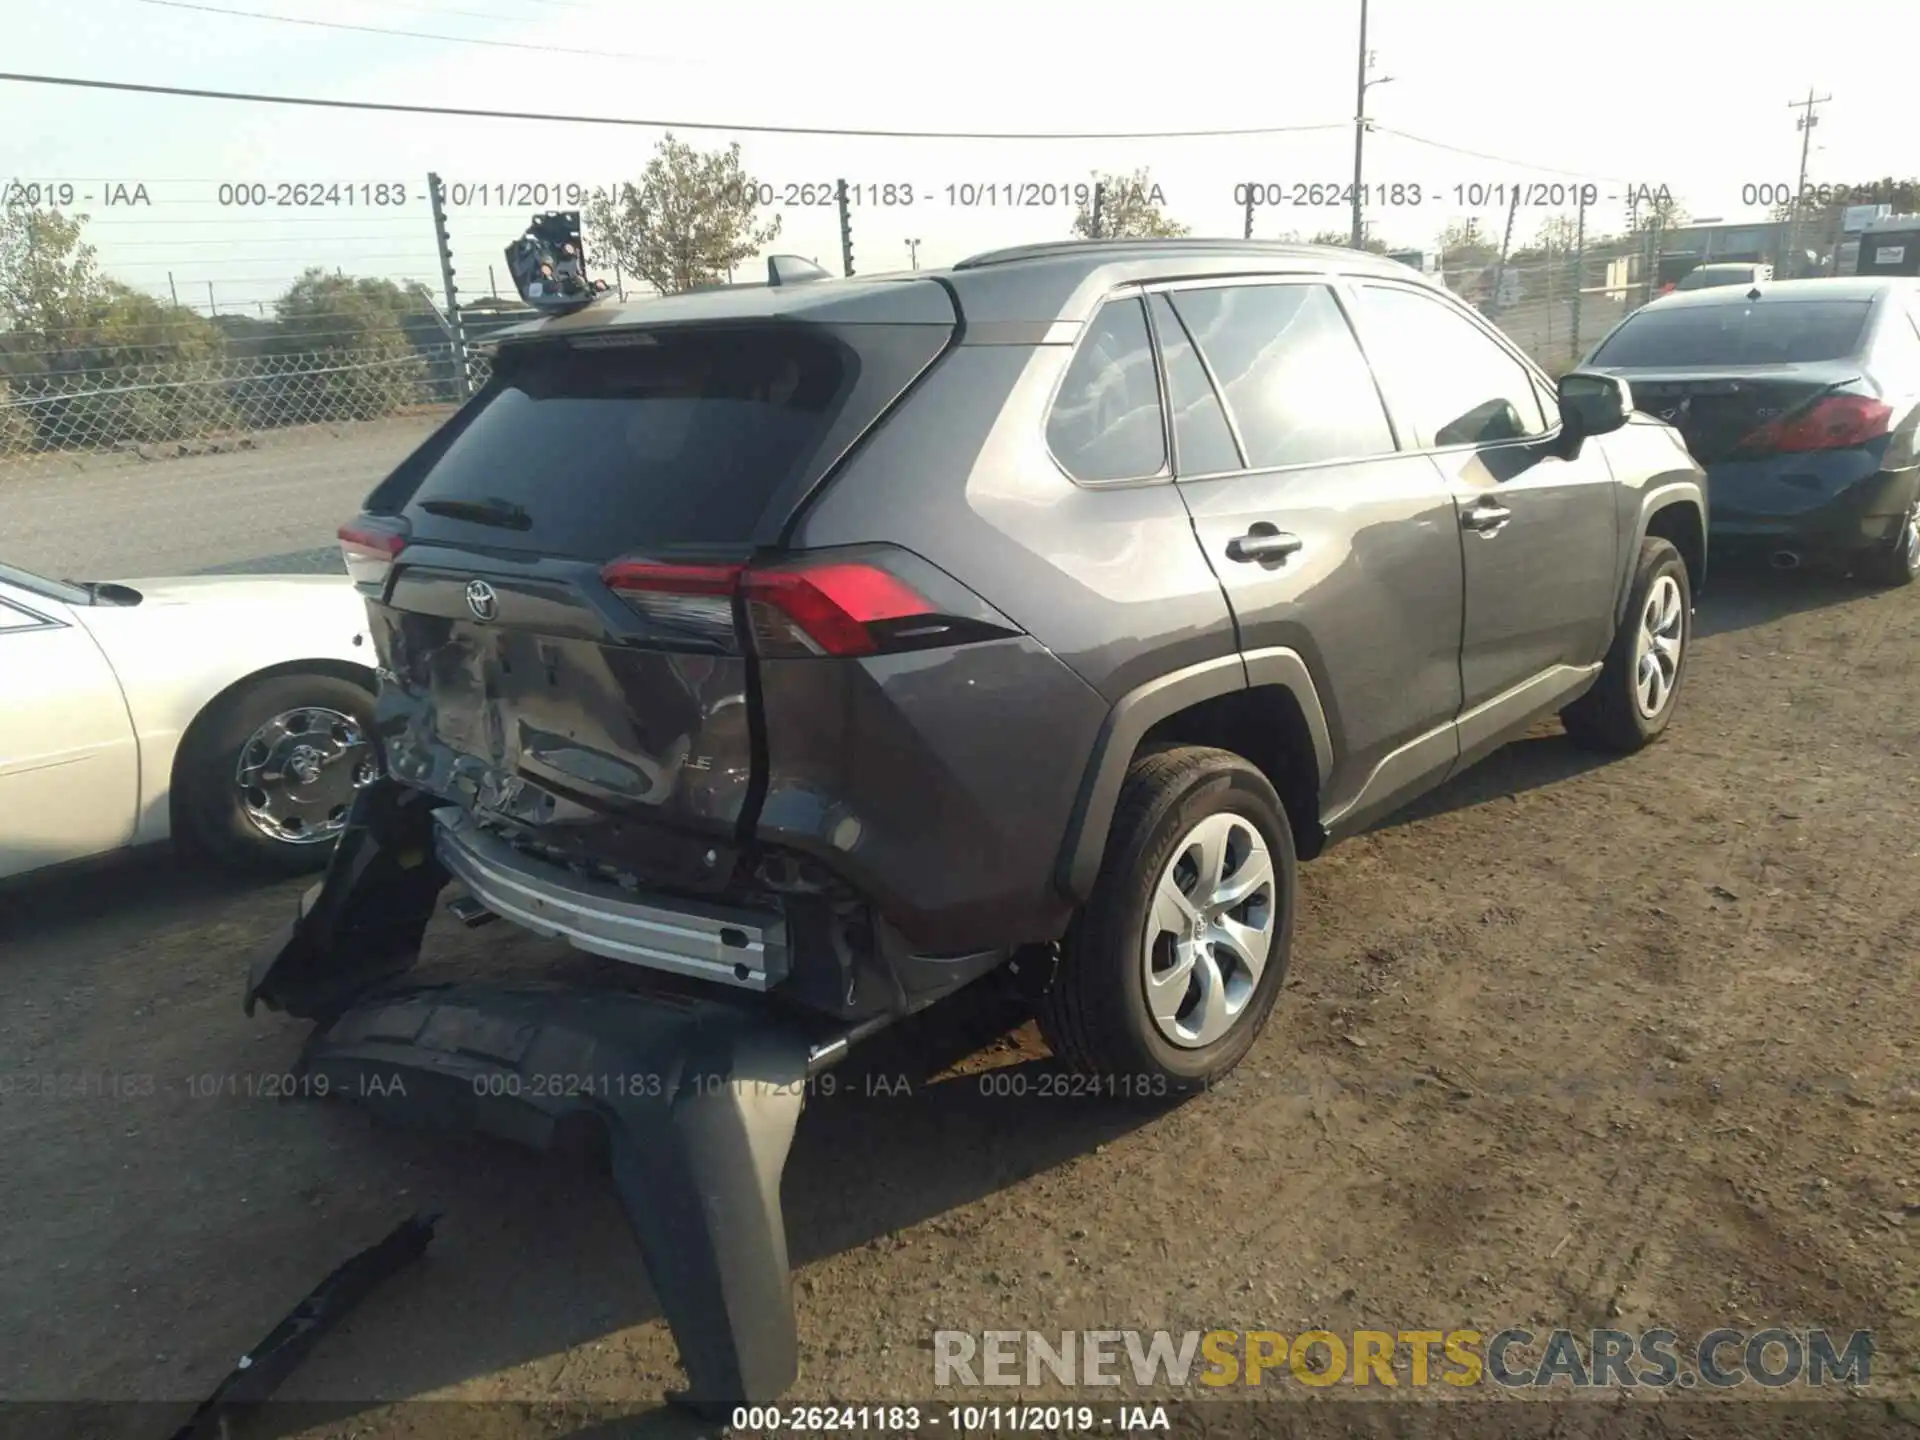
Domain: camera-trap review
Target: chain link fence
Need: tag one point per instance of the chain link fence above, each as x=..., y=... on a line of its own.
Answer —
x=224, y=403
x=1554, y=309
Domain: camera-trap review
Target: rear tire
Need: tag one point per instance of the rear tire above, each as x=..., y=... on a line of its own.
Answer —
x=1648, y=659
x=304, y=739
x=1175, y=963
x=1896, y=563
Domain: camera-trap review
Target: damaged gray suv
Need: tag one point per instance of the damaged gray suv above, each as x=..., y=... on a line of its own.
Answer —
x=820, y=647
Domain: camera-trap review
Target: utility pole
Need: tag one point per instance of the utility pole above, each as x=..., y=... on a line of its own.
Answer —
x=1804, y=124
x=1362, y=84
x=1099, y=203
x=913, y=253
x=443, y=243
x=173, y=290
x=1506, y=248
x=1579, y=271
x=846, y=227
x=1247, y=230
x=1360, y=132
x=213, y=306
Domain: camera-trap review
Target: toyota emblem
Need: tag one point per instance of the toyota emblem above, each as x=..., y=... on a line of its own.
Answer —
x=481, y=600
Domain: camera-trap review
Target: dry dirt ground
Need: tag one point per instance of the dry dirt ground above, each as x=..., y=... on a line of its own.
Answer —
x=1573, y=1044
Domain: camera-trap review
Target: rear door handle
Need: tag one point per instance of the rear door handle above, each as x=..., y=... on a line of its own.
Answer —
x=1486, y=517
x=1263, y=545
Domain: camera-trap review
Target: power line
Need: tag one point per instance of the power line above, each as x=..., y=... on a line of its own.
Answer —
x=720, y=125
x=1483, y=155
x=463, y=14
x=413, y=34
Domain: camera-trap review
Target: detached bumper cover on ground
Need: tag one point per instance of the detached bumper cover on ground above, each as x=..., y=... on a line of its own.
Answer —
x=697, y=1098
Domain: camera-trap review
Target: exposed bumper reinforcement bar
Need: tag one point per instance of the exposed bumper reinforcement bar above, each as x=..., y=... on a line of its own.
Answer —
x=730, y=944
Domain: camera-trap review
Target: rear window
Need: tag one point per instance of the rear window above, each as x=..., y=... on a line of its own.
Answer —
x=595, y=451
x=1761, y=332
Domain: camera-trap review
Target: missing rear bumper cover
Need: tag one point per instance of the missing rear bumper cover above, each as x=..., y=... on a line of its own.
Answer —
x=697, y=1101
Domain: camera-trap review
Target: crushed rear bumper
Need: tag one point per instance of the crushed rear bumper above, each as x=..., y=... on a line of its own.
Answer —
x=697, y=1102
x=696, y=1097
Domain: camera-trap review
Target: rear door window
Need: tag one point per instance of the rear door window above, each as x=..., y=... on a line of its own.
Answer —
x=1291, y=373
x=1755, y=332
x=592, y=452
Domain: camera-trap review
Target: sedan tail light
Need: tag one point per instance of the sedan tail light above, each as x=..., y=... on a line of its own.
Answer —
x=1836, y=423
x=368, y=553
x=870, y=602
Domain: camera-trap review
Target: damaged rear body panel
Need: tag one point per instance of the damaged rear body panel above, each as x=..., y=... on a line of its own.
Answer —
x=617, y=708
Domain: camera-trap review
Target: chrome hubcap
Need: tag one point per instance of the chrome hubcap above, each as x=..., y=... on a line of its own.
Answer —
x=297, y=774
x=1910, y=547
x=1657, y=657
x=1210, y=929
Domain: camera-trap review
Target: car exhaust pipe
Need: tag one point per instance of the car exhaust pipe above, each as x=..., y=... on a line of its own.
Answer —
x=1784, y=559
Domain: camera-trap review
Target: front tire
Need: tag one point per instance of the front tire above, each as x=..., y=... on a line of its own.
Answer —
x=1639, y=684
x=1180, y=953
x=272, y=770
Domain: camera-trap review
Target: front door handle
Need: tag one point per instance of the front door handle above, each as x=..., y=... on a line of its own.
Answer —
x=1486, y=517
x=1262, y=543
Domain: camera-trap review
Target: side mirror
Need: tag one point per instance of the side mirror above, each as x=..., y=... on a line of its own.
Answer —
x=1593, y=404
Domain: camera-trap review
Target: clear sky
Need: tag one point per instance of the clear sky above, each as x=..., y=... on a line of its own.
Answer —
x=1691, y=96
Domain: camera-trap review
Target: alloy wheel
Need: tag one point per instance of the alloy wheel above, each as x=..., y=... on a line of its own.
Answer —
x=1657, y=656
x=1210, y=930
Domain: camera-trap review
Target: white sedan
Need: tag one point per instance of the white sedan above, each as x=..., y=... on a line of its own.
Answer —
x=232, y=712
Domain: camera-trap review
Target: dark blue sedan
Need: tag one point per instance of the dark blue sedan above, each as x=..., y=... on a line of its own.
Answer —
x=1801, y=399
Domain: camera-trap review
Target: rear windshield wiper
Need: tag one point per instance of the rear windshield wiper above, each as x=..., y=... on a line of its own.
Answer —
x=503, y=514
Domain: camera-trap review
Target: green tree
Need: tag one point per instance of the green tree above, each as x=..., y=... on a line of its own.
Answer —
x=1556, y=235
x=1132, y=207
x=355, y=360
x=49, y=277
x=150, y=372
x=688, y=219
x=105, y=364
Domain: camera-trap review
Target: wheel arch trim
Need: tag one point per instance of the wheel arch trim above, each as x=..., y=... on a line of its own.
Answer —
x=1139, y=710
x=1654, y=502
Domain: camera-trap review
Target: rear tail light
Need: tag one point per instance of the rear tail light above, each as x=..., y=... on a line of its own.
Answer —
x=368, y=553
x=871, y=604
x=691, y=603
x=1836, y=423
